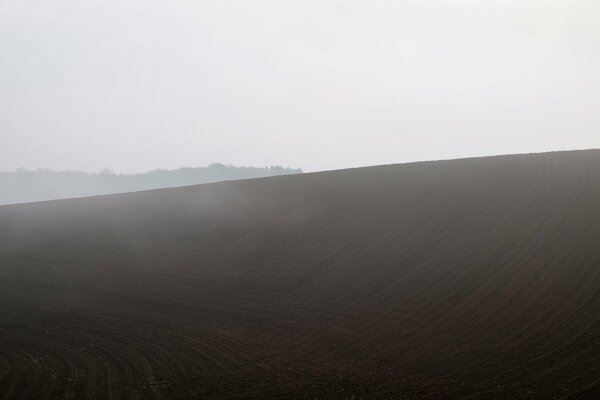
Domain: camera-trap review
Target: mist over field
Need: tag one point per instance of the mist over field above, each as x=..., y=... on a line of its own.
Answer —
x=441, y=241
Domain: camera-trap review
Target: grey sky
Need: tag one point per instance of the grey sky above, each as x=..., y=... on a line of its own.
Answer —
x=135, y=85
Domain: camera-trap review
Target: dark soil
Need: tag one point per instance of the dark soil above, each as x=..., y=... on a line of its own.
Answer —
x=466, y=279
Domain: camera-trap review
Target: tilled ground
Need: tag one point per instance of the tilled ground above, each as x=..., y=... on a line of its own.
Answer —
x=466, y=279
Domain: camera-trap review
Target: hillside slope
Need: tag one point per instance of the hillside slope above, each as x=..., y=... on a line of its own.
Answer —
x=464, y=279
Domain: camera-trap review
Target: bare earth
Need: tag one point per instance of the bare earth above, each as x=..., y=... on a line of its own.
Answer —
x=465, y=279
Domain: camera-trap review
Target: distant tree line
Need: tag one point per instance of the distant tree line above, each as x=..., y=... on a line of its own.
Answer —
x=24, y=185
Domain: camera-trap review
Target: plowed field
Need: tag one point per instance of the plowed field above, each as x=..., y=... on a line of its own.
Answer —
x=464, y=279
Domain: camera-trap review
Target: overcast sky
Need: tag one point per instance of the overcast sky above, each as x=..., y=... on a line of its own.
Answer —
x=135, y=85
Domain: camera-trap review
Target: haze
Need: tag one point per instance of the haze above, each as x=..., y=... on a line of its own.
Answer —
x=136, y=85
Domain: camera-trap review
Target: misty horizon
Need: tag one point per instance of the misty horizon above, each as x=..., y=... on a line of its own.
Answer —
x=107, y=170
x=24, y=186
x=402, y=200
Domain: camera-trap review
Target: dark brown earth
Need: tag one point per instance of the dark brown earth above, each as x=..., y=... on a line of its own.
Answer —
x=465, y=279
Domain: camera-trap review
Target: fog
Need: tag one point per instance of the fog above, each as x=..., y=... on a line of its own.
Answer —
x=136, y=85
x=23, y=186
